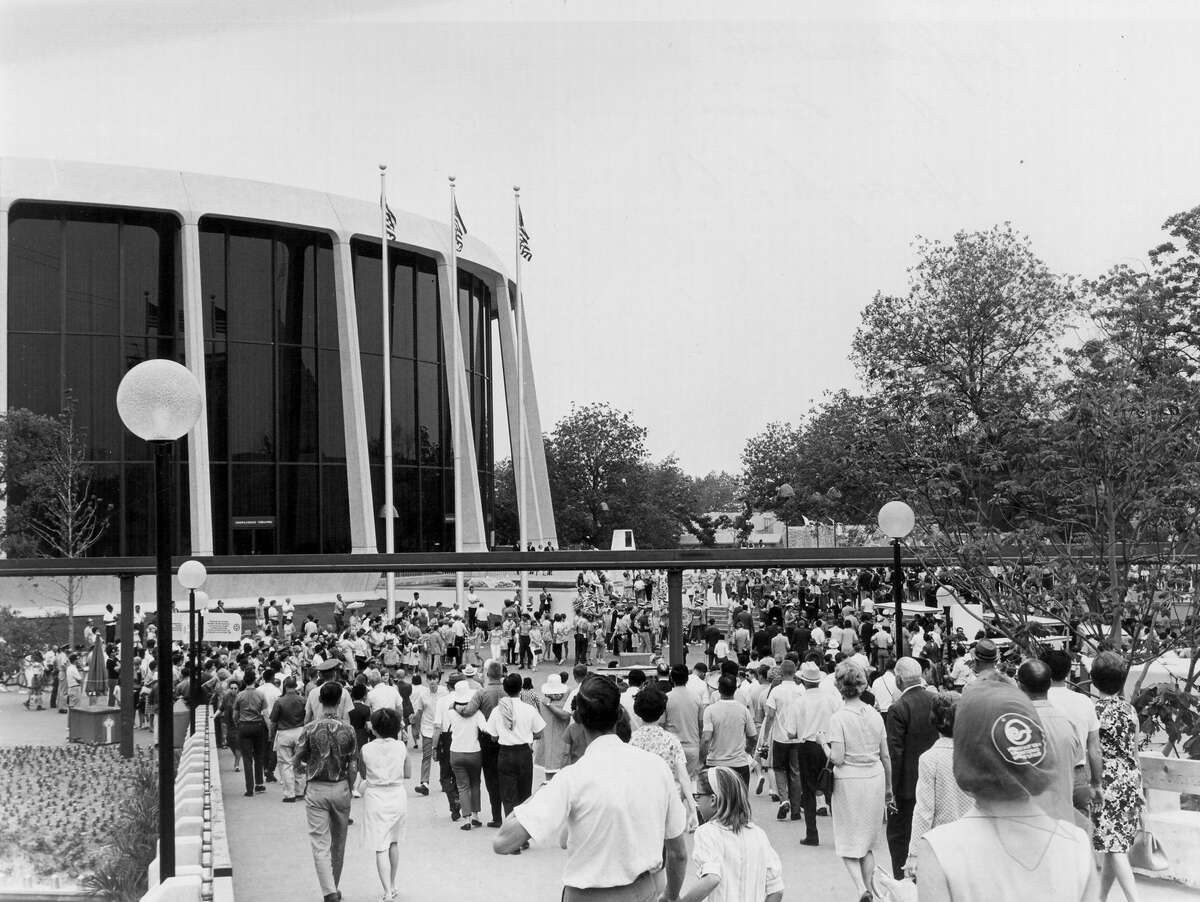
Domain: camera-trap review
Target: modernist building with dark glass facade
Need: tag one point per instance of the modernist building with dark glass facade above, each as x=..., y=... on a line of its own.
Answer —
x=272, y=297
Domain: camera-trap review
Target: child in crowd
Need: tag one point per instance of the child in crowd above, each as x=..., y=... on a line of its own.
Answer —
x=734, y=860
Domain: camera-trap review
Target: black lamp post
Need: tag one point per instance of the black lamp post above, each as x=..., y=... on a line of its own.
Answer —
x=897, y=519
x=191, y=576
x=160, y=401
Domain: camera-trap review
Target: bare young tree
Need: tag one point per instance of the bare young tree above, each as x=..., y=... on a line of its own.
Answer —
x=52, y=510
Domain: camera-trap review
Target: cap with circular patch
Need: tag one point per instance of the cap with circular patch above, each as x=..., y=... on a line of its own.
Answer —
x=1018, y=739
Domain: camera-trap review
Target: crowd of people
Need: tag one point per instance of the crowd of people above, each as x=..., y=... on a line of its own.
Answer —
x=986, y=776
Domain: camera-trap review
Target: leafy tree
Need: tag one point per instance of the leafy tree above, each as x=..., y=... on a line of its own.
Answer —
x=715, y=491
x=51, y=510
x=592, y=454
x=504, y=515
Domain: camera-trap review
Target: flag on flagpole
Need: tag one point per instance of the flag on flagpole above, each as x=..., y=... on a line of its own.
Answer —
x=460, y=229
x=390, y=217
x=523, y=236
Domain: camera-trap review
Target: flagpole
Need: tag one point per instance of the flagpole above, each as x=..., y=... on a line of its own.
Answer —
x=389, y=511
x=456, y=417
x=519, y=470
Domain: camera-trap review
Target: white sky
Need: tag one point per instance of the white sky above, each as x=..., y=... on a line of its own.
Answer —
x=712, y=200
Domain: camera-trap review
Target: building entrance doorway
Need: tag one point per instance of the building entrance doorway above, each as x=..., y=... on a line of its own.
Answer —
x=254, y=535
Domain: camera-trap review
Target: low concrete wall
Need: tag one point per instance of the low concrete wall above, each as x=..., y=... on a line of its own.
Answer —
x=1178, y=831
x=203, y=868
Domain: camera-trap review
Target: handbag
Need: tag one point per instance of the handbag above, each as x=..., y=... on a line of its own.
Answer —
x=825, y=779
x=1147, y=853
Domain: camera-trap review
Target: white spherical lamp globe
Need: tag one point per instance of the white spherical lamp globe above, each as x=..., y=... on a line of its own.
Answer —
x=201, y=601
x=896, y=519
x=159, y=400
x=192, y=574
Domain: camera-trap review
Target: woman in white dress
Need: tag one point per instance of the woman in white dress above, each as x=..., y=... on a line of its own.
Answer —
x=862, y=777
x=385, y=802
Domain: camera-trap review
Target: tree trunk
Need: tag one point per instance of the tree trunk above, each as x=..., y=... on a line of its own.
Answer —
x=1114, y=587
x=71, y=611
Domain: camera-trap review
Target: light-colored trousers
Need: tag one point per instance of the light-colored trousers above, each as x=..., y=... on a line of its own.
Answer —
x=328, y=808
x=285, y=750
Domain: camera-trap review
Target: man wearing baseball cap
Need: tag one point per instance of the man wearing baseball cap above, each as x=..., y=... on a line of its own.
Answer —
x=329, y=671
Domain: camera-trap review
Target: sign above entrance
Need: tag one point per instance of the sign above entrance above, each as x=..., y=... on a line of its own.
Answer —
x=253, y=522
x=218, y=627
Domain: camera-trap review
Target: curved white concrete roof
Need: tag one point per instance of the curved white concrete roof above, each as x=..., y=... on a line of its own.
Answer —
x=191, y=196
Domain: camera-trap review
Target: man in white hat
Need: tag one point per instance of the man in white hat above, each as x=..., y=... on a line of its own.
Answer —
x=811, y=714
x=471, y=674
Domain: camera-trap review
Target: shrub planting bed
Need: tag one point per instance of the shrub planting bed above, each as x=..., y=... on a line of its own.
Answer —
x=80, y=815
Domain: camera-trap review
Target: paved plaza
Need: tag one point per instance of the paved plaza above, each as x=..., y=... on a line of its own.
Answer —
x=268, y=843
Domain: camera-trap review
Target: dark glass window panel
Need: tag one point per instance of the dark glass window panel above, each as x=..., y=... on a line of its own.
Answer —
x=251, y=407
x=464, y=318
x=105, y=487
x=484, y=332
x=404, y=338
x=181, y=505
x=332, y=425
x=408, y=508
x=34, y=372
x=92, y=278
x=404, y=411
x=298, y=408
x=372, y=381
x=335, y=511
x=299, y=524
x=148, y=258
x=137, y=508
x=219, y=482
x=433, y=512
x=35, y=271
x=377, y=505
x=216, y=377
x=429, y=427
x=92, y=373
x=212, y=280
x=253, y=490
x=444, y=414
x=250, y=286
x=429, y=346
x=479, y=421
x=327, y=323
x=366, y=296
x=295, y=287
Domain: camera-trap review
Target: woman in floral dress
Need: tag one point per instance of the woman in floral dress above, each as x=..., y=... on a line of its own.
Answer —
x=1119, y=815
x=650, y=705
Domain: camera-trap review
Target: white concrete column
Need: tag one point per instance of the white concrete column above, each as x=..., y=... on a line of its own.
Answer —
x=199, y=478
x=541, y=527
x=461, y=432
x=354, y=410
x=4, y=206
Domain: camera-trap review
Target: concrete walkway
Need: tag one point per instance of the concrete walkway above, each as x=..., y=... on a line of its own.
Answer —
x=268, y=842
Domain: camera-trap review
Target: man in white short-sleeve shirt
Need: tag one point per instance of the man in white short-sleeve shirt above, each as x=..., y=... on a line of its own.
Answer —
x=779, y=729
x=618, y=806
x=1081, y=711
x=383, y=695
x=515, y=724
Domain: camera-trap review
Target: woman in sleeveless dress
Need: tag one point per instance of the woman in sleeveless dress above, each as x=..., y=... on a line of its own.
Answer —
x=1119, y=814
x=862, y=777
x=385, y=801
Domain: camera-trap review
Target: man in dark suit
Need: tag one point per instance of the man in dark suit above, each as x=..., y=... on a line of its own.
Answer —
x=909, y=733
